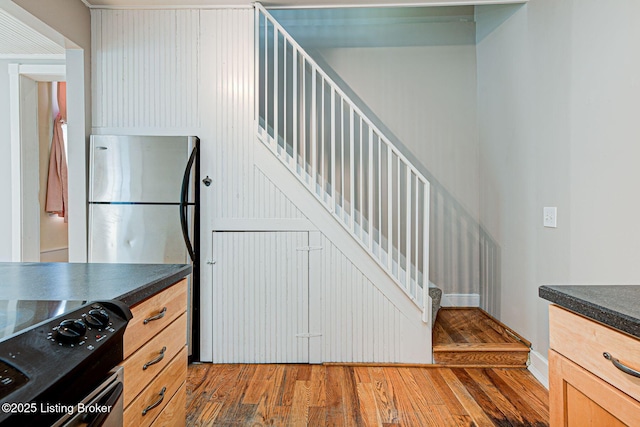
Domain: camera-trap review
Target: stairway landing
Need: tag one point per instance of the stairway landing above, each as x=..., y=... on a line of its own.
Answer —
x=470, y=337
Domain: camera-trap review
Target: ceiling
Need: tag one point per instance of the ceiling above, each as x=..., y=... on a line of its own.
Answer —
x=18, y=39
x=288, y=3
x=379, y=27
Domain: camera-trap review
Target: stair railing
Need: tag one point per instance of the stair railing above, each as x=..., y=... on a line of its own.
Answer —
x=315, y=129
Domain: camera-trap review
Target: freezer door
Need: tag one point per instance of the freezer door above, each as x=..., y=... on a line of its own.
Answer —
x=138, y=168
x=145, y=234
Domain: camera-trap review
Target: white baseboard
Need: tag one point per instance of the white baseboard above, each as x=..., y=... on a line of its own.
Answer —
x=539, y=367
x=460, y=300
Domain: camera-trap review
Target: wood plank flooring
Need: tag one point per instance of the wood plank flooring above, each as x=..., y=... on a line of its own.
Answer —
x=471, y=337
x=321, y=395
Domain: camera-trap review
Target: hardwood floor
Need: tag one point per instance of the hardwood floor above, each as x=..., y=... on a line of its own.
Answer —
x=320, y=395
x=470, y=337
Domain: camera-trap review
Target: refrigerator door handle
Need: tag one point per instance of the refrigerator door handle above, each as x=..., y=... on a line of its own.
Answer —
x=184, y=205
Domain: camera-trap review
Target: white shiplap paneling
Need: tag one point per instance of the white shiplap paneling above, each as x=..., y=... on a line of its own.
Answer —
x=227, y=97
x=270, y=201
x=145, y=68
x=260, y=304
x=359, y=323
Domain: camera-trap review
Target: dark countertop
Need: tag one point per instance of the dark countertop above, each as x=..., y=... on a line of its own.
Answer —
x=129, y=283
x=617, y=306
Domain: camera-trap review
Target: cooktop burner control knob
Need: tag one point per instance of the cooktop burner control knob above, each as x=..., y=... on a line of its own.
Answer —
x=71, y=331
x=97, y=318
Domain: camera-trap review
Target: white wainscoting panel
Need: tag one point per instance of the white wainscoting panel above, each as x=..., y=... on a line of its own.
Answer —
x=260, y=297
x=270, y=201
x=360, y=324
x=145, y=68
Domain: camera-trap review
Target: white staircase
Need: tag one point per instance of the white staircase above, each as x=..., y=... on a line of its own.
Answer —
x=343, y=159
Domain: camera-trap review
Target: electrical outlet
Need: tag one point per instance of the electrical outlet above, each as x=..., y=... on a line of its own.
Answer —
x=550, y=215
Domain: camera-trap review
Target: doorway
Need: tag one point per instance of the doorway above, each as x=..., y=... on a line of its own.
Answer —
x=54, y=234
x=41, y=236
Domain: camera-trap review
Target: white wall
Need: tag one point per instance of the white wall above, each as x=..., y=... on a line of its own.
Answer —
x=557, y=105
x=426, y=95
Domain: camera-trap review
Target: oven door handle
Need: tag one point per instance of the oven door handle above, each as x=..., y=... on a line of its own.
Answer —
x=108, y=399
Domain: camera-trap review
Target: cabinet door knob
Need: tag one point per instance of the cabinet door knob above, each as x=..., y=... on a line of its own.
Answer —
x=623, y=368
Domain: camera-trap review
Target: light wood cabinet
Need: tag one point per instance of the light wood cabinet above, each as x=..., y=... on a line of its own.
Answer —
x=155, y=365
x=585, y=388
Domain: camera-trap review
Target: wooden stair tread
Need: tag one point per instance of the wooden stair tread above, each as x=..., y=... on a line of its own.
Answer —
x=471, y=337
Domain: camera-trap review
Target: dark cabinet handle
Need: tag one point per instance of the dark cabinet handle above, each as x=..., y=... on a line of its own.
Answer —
x=617, y=364
x=156, y=403
x=156, y=317
x=156, y=360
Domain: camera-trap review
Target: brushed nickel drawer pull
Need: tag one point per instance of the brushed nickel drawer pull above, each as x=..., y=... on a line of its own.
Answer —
x=157, y=316
x=154, y=404
x=617, y=364
x=156, y=360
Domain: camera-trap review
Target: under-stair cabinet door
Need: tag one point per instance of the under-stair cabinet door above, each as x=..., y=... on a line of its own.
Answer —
x=260, y=297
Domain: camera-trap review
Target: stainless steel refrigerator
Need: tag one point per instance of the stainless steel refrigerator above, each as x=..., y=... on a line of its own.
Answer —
x=144, y=206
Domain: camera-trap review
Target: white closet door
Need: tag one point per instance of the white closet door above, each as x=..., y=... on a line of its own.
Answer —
x=260, y=298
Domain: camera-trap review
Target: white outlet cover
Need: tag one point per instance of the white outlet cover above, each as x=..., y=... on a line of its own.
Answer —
x=550, y=217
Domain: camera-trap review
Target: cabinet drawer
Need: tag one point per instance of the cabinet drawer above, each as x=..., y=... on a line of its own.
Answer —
x=136, y=376
x=175, y=413
x=171, y=379
x=585, y=341
x=159, y=311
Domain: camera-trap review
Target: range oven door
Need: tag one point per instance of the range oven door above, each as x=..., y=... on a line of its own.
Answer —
x=102, y=407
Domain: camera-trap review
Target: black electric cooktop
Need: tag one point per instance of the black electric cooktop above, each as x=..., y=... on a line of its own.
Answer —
x=51, y=352
x=19, y=315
